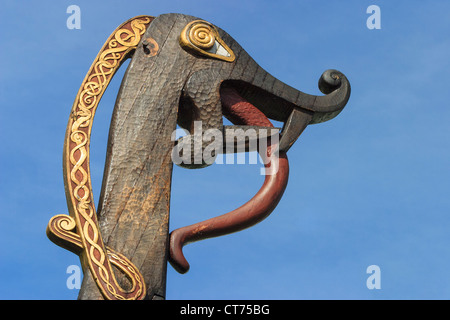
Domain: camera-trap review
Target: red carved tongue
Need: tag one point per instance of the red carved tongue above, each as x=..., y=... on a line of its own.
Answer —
x=241, y=112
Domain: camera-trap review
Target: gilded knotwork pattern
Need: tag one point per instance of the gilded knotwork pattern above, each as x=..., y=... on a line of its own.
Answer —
x=80, y=232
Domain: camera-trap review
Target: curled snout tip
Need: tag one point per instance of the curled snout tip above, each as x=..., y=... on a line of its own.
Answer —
x=330, y=80
x=176, y=256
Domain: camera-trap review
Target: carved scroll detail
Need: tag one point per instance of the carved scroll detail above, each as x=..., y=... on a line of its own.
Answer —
x=80, y=231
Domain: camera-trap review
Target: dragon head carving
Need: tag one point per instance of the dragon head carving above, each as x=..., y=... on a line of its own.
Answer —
x=183, y=69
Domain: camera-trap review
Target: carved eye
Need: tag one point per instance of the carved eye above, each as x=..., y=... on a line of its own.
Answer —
x=202, y=37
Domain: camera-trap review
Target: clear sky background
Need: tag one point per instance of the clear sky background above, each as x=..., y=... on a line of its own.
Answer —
x=370, y=187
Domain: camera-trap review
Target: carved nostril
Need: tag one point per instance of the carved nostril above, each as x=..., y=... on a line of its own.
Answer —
x=145, y=47
x=150, y=46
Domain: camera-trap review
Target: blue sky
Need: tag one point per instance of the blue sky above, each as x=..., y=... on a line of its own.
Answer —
x=370, y=187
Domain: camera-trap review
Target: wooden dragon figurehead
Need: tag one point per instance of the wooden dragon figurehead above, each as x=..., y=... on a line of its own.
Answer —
x=183, y=71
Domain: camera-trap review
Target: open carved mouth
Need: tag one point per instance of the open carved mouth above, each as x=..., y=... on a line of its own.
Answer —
x=244, y=103
x=271, y=105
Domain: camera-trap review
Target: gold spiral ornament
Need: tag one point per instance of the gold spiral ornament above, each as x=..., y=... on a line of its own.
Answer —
x=202, y=36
